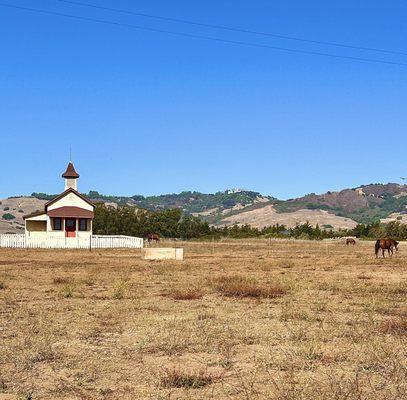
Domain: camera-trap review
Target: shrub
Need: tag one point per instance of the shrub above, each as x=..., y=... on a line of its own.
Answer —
x=241, y=286
x=6, y=208
x=8, y=216
x=2, y=285
x=175, y=378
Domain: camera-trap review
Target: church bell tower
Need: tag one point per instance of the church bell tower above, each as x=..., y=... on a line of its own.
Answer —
x=71, y=177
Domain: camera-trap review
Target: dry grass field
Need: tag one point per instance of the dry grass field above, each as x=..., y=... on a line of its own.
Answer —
x=236, y=320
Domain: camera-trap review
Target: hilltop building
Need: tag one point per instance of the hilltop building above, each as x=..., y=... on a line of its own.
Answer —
x=68, y=216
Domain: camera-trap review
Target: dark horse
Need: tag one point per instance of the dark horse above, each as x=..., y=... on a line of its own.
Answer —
x=153, y=237
x=350, y=241
x=386, y=244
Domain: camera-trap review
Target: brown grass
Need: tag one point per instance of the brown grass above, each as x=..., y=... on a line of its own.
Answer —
x=62, y=280
x=67, y=291
x=237, y=320
x=185, y=293
x=394, y=326
x=119, y=290
x=242, y=286
x=177, y=378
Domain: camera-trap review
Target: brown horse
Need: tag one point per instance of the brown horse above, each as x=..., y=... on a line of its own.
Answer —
x=350, y=241
x=386, y=244
x=153, y=237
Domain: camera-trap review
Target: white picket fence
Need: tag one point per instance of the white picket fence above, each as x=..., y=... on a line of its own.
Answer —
x=12, y=241
x=114, y=242
x=53, y=242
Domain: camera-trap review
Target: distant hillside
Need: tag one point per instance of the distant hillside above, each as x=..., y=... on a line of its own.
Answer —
x=12, y=211
x=363, y=204
x=212, y=207
x=268, y=216
x=343, y=209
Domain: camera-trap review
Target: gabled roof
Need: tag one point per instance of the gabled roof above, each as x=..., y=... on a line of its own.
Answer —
x=34, y=214
x=70, y=212
x=70, y=172
x=63, y=194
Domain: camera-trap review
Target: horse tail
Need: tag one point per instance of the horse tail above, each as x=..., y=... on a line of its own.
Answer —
x=377, y=247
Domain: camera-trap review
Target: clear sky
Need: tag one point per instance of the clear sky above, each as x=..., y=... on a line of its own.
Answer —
x=151, y=113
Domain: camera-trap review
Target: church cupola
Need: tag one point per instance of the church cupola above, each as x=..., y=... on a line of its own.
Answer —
x=71, y=177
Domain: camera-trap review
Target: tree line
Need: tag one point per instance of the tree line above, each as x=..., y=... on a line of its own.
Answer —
x=172, y=223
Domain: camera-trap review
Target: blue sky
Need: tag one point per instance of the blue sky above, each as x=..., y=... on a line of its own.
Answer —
x=151, y=113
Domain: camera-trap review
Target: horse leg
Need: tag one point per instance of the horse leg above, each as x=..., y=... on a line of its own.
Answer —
x=383, y=253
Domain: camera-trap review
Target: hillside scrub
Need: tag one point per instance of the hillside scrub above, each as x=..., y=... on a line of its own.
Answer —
x=8, y=216
x=190, y=202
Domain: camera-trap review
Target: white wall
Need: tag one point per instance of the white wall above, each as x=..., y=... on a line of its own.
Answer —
x=71, y=183
x=71, y=200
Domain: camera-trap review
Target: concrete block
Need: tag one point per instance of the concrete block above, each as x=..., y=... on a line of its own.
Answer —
x=157, y=253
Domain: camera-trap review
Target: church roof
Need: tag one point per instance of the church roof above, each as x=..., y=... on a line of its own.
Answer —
x=70, y=212
x=63, y=194
x=70, y=172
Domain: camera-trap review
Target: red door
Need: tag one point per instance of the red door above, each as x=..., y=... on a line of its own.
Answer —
x=70, y=227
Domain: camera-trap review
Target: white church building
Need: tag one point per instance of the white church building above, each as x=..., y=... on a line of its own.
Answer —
x=68, y=216
x=66, y=222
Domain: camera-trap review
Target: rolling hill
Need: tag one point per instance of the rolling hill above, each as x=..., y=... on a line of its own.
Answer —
x=341, y=209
